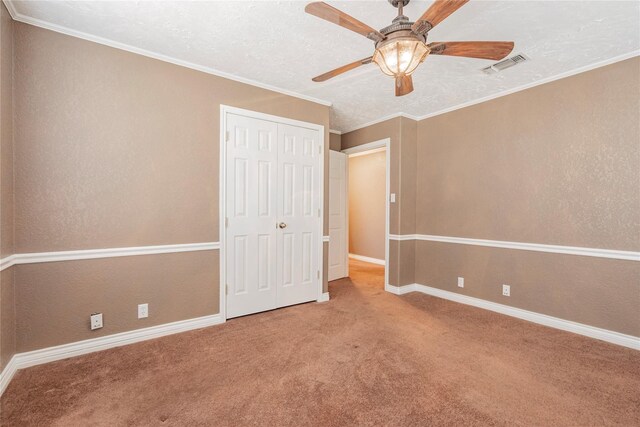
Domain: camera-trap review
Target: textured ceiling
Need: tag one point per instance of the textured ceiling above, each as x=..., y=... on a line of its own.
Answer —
x=278, y=44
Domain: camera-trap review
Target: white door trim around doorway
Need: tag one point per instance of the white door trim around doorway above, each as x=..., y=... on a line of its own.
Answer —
x=224, y=111
x=373, y=147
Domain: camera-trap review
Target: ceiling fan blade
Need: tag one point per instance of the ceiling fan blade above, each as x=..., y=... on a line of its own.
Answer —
x=481, y=50
x=404, y=85
x=340, y=70
x=331, y=14
x=437, y=13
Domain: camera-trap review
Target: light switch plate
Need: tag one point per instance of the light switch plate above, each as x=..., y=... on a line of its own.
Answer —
x=461, y=282
x=393, y=197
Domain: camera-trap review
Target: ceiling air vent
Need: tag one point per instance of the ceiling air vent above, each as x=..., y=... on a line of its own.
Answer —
x=504, y=64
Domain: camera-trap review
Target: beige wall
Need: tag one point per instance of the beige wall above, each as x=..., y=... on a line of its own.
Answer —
x=402, y=133
x=7, y=301
x=335, y=142
x=114, y=149
x=367, y=210
x=556, y=164
x=594, y=291
x=176, y=286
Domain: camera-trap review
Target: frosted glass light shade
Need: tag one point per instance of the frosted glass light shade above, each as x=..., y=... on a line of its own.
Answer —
x=400, y=56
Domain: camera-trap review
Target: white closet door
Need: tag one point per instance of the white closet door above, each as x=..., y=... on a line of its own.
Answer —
x=251, y=246
x=338, y=256
x=299, y=201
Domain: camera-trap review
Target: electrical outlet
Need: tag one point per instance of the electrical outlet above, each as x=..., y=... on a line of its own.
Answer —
x=506, y=290
x=461, y=282
x=143, y=311
x=96, y=321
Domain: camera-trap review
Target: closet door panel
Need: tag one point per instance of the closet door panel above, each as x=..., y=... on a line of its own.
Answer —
x=251, y=215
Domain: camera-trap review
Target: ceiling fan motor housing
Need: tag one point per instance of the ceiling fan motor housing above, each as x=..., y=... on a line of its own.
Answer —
x=395, y=3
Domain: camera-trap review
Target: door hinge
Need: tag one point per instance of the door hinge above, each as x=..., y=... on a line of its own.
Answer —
x=226, y=136
x=318, y=274
x=226, y=289
x=318, y=213
x=226, y=222
x=319, y=149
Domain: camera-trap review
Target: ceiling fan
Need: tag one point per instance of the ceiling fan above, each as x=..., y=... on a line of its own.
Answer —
x=401, y=47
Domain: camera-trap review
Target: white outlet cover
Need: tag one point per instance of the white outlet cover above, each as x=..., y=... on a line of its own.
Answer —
x=96, y=321
x=393, y=197
x=143, y=311
x=506, y=290
x=461, y=282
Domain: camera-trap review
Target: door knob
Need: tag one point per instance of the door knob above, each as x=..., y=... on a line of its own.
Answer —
x=282, y=225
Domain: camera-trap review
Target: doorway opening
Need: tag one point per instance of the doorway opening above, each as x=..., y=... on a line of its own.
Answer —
x=359, y=209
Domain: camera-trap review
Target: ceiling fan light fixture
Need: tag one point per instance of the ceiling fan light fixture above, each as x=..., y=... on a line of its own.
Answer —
x=400, y=56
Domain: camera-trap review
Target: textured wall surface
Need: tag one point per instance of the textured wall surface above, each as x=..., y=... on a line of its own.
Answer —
x=6, y=133
x=387, y=129
x=594, y=291
x=7, y=317
x=115, y=149
x=335, y=143
x=555, y=164
x=402, y=133
x=367, y=209
x=176, y=286
x=7, y=303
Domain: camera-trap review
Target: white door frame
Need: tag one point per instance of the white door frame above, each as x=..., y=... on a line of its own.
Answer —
x=222, y=195
x=368, y=148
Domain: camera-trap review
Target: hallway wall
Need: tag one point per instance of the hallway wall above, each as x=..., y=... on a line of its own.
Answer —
x=367, y=207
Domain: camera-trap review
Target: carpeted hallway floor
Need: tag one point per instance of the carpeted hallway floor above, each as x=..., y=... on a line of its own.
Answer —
x=365, y=358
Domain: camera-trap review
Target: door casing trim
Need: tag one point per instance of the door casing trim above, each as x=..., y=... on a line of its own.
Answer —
x=224, y=110
x=369, y=148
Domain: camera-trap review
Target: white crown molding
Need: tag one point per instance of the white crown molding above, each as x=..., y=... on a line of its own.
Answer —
x=520, y=88
x=337, y=132
x=64, y=351
x=367, y=259
x=30, y=258
x=537, y=247
x=123, y=46
x=542, y=319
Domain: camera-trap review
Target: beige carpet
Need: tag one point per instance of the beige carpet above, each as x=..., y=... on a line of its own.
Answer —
x=365, y=358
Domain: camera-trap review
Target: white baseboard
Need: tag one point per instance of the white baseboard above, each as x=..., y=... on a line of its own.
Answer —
x=542, y=319
x=399, y=290
x=324, y=297
x=7, y=374
x=64, y=351
x=367, y=259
